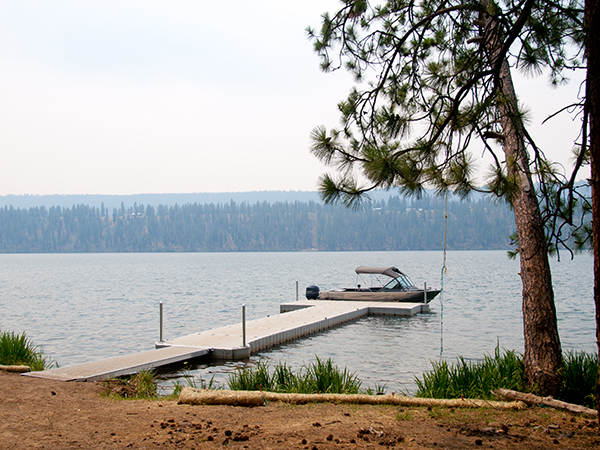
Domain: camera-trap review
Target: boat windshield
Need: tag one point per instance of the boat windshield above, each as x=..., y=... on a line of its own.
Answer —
x=401, y=282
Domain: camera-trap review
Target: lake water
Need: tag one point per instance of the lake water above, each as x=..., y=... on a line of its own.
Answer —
x=84, y=307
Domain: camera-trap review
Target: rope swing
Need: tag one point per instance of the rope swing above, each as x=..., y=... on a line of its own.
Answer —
x=442, y=281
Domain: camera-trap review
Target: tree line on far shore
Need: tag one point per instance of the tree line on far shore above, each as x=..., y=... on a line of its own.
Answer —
x=396, y=224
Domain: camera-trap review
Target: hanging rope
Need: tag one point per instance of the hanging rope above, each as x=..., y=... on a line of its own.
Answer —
x=442, y=281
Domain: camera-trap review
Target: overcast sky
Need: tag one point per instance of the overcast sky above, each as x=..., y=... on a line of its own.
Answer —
x=178, y=96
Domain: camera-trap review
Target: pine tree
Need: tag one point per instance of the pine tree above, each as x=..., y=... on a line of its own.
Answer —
x=439, y=78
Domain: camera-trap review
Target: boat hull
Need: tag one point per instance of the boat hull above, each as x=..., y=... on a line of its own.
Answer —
x=412, y=296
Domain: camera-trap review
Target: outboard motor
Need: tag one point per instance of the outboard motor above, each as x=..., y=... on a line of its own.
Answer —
x=312, y=292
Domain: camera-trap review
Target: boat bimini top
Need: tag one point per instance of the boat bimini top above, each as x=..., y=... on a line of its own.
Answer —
x=399, y=279
x=392, y=272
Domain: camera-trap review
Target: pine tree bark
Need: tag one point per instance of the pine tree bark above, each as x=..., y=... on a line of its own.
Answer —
x=542, y=350
x=592, y=23
x=543, y=354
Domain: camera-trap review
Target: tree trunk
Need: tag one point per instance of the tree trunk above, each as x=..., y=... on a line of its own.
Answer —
x=543, y=355
x=592, y=22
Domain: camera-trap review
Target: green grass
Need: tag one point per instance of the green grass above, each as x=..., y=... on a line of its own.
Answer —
x=142, y=385
x=473, y=379
x=252, y=378
x=403, y=415
x=317, y=377
x=505, y=370
x=579, y=378
x=145, y=384
x=17, y=349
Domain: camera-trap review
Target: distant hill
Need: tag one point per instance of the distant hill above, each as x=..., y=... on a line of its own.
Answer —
x=257, y=225
x=114, y=201
x=248, y=221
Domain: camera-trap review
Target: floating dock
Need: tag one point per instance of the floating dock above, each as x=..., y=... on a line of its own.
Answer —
x=298, y=319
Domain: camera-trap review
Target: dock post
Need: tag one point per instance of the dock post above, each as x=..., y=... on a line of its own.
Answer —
x=161, y=322
x=425, y=293
x=243, y=325
x=296, y=290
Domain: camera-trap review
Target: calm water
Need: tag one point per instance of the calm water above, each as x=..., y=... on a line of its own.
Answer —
x=83, y=307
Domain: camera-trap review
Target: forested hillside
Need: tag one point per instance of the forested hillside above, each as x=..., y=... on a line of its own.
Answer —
x=396, y=224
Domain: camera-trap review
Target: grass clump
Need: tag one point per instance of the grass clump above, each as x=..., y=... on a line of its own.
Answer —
x=579, y=378
x=473, y=380
x=506, y=370
x=318, y=377
x=17, y=349
x=324, y=376
x=256, y=378
x=142, y=385
x=402, y=415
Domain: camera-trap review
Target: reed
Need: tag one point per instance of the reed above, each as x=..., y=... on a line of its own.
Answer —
x=324, y=376
x=17, y=349
x=505, y=370
x=249, y=378
x=579, y=375
x=284, y=378
x=319, y=376
x=473, y=379
x=145, y=385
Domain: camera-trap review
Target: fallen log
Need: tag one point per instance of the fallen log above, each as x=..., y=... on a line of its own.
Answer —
x=192, y=396
x=534, y=400
x=16, y=369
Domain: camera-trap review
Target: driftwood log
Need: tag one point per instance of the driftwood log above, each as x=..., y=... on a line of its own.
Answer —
x=531, y=399
x=17, y=369
x=193, y=396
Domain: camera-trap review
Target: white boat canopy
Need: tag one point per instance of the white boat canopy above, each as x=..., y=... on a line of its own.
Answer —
x=392, y=272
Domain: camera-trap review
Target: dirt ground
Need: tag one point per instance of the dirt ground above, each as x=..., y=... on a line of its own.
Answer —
x=37, y=413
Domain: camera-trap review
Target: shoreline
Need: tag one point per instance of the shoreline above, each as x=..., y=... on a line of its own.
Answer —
x=36, y=413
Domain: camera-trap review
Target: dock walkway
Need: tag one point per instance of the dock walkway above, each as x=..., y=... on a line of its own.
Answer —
x=301, y=318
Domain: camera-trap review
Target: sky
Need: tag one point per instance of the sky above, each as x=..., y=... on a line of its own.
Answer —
x=179, y=96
